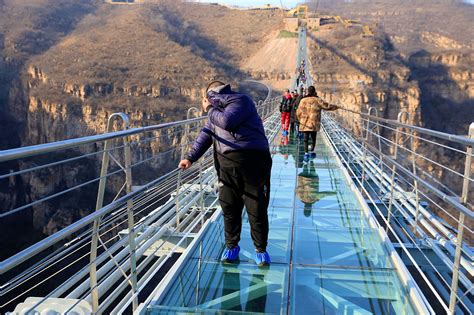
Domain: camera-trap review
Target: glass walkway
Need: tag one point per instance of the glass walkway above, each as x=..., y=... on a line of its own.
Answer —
x=326, y=257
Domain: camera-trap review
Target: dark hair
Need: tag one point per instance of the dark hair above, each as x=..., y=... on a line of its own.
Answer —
x=214, y=84
x=312, y=91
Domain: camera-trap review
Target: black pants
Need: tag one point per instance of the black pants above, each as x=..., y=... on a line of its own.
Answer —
x=244, y=179
x=294, y=127
x=307, y=134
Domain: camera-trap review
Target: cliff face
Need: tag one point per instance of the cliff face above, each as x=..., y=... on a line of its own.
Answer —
x=65, y=68
x=433, y=40
x=446, y=80
x=434, y=84
x=361, y=72
x=27, y=28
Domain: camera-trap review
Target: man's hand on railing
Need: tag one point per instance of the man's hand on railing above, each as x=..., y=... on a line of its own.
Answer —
x=185, y=164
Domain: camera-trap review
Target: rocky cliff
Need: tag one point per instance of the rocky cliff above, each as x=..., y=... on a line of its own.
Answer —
x=430, y=77
x=360, y=72
x=435, y=43
x=66, y=67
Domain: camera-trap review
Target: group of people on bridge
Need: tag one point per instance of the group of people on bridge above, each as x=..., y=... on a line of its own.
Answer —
x=301, y=116
x=301, y=74
x=242, y=157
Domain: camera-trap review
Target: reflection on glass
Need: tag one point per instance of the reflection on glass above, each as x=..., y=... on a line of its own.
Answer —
x=340, y=247
x=284, y=148
x=340, y=264
x=230, y=288
x=308, y=188
x=348, y=291
x=333, y=219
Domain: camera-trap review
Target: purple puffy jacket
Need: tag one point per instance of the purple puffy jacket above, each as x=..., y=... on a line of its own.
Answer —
x=233, y=122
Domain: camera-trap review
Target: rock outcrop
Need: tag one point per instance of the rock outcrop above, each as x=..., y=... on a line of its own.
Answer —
x=361, y=73
x=434, y=85
x=66, y=72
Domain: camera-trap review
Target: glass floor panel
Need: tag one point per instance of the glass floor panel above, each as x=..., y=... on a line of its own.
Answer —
x=340, y=247
x=284, y=201
x=279, y=217
x=205, y=285
x=317, y=229
x=331, y=218
x=329, y=203
x=347, y=291
x=278, y=244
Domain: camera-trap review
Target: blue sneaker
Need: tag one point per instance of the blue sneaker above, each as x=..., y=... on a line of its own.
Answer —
x=262, y=259
x=230, y=254
x=313, y=155
x=306, y=157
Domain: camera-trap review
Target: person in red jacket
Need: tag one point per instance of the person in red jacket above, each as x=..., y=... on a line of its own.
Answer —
x=285, y=110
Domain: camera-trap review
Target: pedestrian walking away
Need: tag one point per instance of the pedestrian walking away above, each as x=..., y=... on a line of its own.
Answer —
x=294, y=96
x=285, y=110
x=294, y=129
x=309, y=118
x=243, y=163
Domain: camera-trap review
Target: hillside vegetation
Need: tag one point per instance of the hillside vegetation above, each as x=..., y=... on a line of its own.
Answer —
x=435, y=41
x=154, y=53
x=65, y=66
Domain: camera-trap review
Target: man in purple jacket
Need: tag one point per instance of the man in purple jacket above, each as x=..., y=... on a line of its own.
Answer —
x=243, y=164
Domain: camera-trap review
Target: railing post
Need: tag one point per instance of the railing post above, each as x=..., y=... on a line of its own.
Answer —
x=364, y=160
x=397, y=132
x=183, y=148
x=457, y=257
x=415, y=183
x=390, y=205
x=99, y=204
x=366, y=139
x=379, y=142
x=369, y=112
x=131, y=220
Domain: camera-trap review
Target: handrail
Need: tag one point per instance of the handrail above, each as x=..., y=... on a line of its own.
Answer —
x=411, y=222
x=442, y=135
x=28, y=266
x=31, y=251
x=29, y=151
x=25, y=152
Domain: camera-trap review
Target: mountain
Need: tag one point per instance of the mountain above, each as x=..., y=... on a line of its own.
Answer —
x=67, y=65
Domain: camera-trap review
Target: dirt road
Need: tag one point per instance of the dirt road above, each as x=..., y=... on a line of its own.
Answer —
x=277, y=59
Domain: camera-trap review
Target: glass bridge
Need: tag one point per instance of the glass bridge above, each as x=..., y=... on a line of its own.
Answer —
x=326, y=256
x=363, y=228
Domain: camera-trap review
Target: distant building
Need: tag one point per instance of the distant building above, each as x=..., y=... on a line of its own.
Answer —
x=313, y=23
x=267, y=7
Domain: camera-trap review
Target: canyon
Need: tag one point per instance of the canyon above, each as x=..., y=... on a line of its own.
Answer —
x=419, y=59
x=65, y=67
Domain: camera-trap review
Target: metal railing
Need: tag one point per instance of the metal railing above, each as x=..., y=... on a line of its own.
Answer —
x=417, y=181
x=110, y=255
